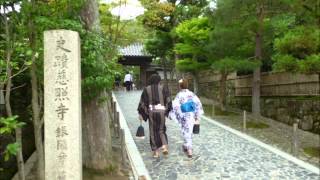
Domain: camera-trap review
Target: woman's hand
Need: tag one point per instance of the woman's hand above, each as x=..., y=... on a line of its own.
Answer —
x=140, y=117
x=196, y=121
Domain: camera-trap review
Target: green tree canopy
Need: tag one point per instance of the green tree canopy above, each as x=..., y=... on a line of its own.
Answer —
x=298, y=50
x=193, y=37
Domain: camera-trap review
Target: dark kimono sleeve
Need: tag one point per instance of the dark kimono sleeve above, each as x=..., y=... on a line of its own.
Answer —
x=143, y=105
x=167, y=100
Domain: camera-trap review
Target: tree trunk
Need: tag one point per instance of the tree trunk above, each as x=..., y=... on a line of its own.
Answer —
x=172, y=72
x=2, y=100
x=164, y=64
x=19, y=155
x=258, y=56
x=319, y=84
x=90, y=15
x=222, y=91
x=256, y=92
x=96, y=136
x=37, y=121
x=195, y=83
x=36, y=107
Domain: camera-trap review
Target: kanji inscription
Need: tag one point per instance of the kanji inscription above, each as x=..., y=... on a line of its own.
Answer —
x=63, y=158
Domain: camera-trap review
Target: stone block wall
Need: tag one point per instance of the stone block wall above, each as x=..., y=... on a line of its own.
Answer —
x=286, y=109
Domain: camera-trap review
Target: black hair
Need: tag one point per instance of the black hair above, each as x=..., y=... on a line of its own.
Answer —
x=154, y=79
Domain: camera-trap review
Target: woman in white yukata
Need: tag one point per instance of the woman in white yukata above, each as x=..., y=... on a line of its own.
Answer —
x=186, y=110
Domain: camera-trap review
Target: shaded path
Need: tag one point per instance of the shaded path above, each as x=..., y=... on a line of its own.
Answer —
x=219, y=154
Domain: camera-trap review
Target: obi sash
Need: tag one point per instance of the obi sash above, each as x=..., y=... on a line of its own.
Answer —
x=189, y=106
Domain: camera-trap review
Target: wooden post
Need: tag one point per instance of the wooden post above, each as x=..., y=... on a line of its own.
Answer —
x=295, y=139
x=114, y=108
x=244, y=120
x=111, y=104
x=213, y=110
x=117, y=124
x=111, y=110
x=123, y=148
x=114, y=111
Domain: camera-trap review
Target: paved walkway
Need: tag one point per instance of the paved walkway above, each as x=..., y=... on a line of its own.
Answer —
x=218, y=153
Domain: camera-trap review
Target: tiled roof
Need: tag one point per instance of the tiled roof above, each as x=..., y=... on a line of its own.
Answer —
x=136, y=49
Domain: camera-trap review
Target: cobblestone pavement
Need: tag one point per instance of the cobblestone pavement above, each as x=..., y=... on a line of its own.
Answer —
x=278, y=135
x=218, y=154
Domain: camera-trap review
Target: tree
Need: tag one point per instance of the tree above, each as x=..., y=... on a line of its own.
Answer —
x=298, y=51
x=229, y=50
x=297, y=47
x=160, y=46
x=158, y=19
x=193, y=38
x=255, y=24
x=163, y=17
x=99, y=70
x=159, y=15
x=119, y=32
x=14, y=64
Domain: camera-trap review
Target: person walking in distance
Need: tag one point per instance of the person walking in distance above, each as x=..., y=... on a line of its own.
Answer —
x=128, y=81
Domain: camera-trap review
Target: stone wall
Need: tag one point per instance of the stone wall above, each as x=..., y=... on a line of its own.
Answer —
x=284, y=107
x=305, y=110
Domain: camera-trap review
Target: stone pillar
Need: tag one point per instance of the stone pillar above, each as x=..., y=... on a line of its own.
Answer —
x=62, y=105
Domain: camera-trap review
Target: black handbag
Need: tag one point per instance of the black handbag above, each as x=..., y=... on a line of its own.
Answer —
x=196, y=129
x=140, y=132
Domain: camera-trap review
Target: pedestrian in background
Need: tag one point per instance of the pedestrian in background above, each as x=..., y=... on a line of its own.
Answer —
x=128, y=81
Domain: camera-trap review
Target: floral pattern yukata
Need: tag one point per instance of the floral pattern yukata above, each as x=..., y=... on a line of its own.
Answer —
x=186, y=119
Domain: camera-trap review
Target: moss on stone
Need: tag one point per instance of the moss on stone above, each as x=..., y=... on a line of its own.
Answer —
x=257, y=125
x=217, y=111
x=312, y=151
x=207, y=109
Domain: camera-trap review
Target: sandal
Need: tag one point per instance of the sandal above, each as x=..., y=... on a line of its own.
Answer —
x=189, y=153
x=165, y=150
x=184, y=149
x=156, y=154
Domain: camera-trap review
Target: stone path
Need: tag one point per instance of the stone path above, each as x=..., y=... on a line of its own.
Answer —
x=218, y=153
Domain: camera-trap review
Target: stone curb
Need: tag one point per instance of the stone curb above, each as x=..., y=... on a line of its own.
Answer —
x=139, y=169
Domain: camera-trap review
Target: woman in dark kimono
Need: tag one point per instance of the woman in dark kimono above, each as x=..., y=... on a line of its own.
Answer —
x=154, y=106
